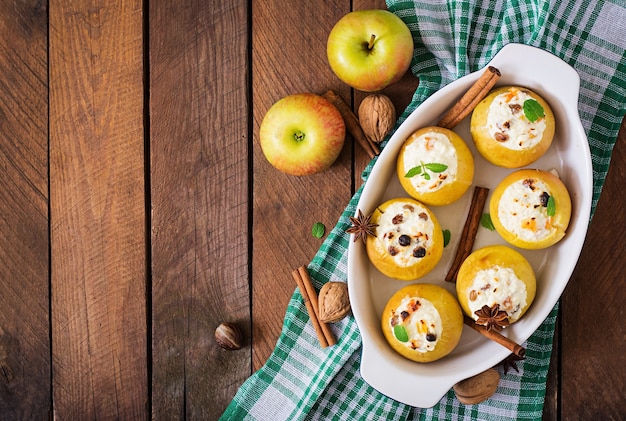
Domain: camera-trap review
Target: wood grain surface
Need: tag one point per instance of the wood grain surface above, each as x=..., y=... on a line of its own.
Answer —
x=24, y=284
x=199, y=199
x=138, y=211
x=97, y=211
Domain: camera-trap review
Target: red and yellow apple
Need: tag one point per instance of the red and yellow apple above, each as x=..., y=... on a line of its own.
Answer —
x=370, y=49
x=302, y=134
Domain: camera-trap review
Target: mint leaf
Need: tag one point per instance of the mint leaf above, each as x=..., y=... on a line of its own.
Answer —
x=485, y=221
x=424, y=168
x=551, y=209
x=318, y=230
x=414, y=171
x=446, y=237
x=533, y=110
x=434, y=167
x=399, y=332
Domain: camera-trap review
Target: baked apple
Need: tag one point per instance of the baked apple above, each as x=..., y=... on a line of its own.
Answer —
x=408, y=242
x=512, y=126
x=422, y=322
x=496, y=275
x=531, y=209
x=435, y=166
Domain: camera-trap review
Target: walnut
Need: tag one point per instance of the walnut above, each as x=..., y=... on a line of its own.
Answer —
x=333, y=302
x=477, y=388
x=377, y=116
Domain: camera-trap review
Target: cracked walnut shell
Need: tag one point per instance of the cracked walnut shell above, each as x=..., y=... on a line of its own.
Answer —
x=333, y=302
x=377, y=116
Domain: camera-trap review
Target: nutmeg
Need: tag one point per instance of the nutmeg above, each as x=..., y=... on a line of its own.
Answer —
x=333, y=302
x=477, y=388
x=377, y=116
x=229, y=336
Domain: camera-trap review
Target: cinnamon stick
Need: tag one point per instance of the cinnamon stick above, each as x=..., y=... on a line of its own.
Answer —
x=496, y=336
x=324, y=334
x=352, y=124
x=472, y=97
x=468, y=235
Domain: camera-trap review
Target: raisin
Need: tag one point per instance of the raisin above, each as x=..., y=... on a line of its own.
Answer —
x=506, y=124
x=544, y=199
x=404, y=315
x=529, y=182
x=404, y=240
x=515, y=108
x=501, y=137
x=397, y=219
x=419, y=252
x=392, y=250
x=431, y=337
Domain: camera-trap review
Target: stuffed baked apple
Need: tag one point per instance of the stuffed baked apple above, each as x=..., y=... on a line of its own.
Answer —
x=435, y=166
x=531, y=209
x=422, y=322
x=408, y=242
x=512, y=127
x=496, y=275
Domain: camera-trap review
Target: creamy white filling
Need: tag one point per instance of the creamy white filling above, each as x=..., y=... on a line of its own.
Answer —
x=523, y=211
x=431, y=148
x=507, y=123
x=405, y=230
x=421, y=321
x=498, y=285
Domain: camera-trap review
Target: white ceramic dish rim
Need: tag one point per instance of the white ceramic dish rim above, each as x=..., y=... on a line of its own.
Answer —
x=423, y=385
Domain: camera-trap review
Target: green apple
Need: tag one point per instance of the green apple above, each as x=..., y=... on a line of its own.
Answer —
x=370, y=49
x=302, y=134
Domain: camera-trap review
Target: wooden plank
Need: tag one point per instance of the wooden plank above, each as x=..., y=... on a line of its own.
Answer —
x=97, y=204
x=199, y=184
x=593, y=357
x=24, y=306
x=288, y=57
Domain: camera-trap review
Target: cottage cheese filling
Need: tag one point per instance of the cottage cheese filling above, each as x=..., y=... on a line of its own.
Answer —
x=405, y=230
x=523, y=210
x=498, y=285
x=431, y=148
x=421, y=321
x=507, y=123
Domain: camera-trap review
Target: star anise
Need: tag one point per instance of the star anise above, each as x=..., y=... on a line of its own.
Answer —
x=492, y=317
x=361, y=226
x=510, y=362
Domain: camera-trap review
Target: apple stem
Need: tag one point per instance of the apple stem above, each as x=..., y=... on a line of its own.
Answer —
x=371, y=43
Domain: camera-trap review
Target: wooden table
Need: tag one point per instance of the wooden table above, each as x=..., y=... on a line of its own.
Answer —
x=138, y=211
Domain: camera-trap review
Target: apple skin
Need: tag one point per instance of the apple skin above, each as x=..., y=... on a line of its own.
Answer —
x=560, y=221
x=358, y=66
x=449, y=311
x=302, y=134
x=495, y=152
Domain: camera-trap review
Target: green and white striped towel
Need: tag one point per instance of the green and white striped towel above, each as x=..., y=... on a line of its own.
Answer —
x=452, y=38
